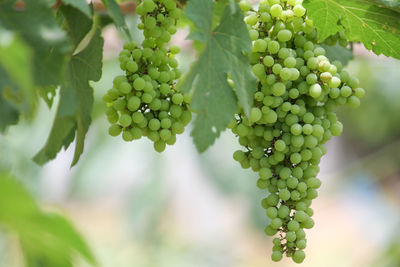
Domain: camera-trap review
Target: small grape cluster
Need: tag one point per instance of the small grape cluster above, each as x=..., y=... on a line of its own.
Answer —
x=145, y=101
x=293, y=116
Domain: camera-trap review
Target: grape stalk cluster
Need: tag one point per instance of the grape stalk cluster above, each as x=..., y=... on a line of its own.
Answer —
x=293, y=116
x=145, y=101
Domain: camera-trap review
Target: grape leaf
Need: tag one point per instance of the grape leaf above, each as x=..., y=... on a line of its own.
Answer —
x=76, y=101
x=81, y=5
x=45, y=237
x=378, y=28
x=213, y=98
x=77, y=23
x=38, y=27
x=337, y=52
x=47, y=93
x=116, y=15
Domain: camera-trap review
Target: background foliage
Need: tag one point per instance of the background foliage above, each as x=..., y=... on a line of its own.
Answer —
x=52, y=52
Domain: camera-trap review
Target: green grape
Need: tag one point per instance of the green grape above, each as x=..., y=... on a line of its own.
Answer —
x=139, y=84
x=260, y=45
x=276, y=10
x=276, y=256
x=284, y=35
x=114, y=130
x=255, y=114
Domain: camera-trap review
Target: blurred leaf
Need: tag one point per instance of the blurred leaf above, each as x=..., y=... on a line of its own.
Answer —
x=392, y=4
x=364, y=21
x=47, y=239
x=81, y=5
x=338, y=52
x=37, y=26
x=17, y=92
x=116, y=15
x=213, y=98
x=78, y=24
x=76, y=101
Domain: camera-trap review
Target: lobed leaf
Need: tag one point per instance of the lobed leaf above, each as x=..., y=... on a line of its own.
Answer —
x=213, y=98
x=377, y=27
x=76, y=100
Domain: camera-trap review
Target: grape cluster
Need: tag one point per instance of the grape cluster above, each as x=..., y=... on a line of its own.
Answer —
x=293, y=116
x=145, y=101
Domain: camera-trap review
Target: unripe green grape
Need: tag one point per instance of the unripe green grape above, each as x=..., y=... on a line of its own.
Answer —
x=293, y=226
x=119, y=104
x=260, y=45
x=301, y=244
x=276, y=256
x=272, y=212
x=359, y=92
x=177, y=127
x=255, y=114
x=284, y=194
x=253, y=34
x=273, y=47
x=336, y=128
x=136, y=133
x=299, y=256
x=139, y=84
x=276, y=10
x=125, y=120
x=138, y=117
x=114, y=130
x=284, y=35
x=280, y=145
x=244, y=5
x=270, y=231
x=276, y=223
x=315, y=90
x=251, y=19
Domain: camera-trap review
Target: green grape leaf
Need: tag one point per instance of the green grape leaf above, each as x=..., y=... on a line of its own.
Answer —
x=81, y=5
x=47, y=93
x=45, y=237
x=77, y=23
x=76, y=101
x=337, y=52
x=116, y=15
x=213, y=98
x=38, y=27
x=378, y=28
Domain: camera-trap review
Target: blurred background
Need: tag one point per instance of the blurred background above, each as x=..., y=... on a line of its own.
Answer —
x=136, y=207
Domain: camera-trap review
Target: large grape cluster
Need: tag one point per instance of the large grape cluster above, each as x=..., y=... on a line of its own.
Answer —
x=292, y=118
x=145, y=101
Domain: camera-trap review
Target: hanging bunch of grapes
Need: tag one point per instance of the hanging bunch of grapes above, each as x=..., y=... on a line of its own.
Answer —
x=293, y=117
x=145, y=101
